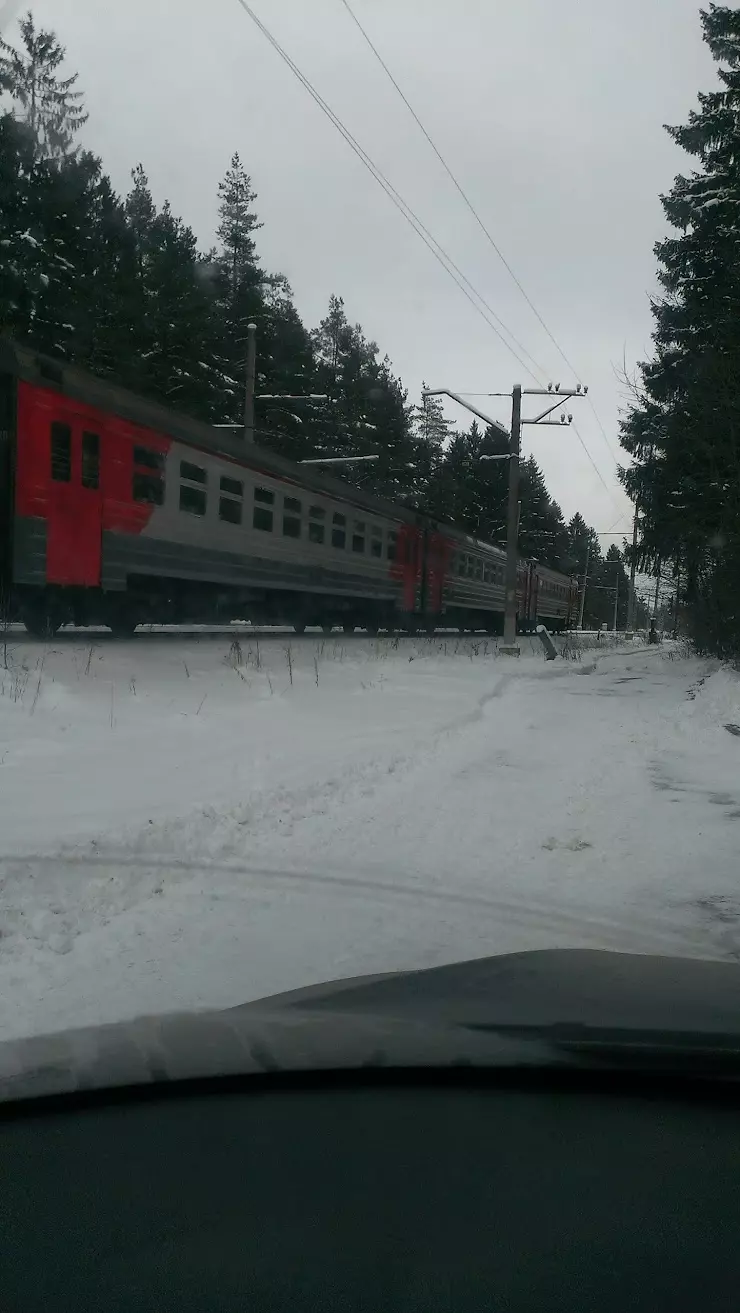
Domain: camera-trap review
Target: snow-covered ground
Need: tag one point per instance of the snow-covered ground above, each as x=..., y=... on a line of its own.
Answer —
x=184, y=823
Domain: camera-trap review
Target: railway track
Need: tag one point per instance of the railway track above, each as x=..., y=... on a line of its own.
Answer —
x=175, y=633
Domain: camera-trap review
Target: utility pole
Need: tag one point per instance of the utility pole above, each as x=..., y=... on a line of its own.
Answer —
x=509, y=647
x=675, y=605
x=583, y=586
x=633, y=565
x=250, y=382
x=249, y=390
x=618, y=564
x=657, y=589
x=557, y=396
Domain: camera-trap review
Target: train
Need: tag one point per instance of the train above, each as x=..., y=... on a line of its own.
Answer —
x=117, y=511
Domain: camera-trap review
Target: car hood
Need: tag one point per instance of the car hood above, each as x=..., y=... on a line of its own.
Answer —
x=555, y=1007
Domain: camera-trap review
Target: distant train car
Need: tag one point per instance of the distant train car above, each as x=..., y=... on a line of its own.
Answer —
x=116, y=511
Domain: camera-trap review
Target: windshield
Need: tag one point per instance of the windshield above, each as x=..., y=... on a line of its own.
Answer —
x=320, y=654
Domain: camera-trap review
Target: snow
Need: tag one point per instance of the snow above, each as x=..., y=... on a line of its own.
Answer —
x=183, y=826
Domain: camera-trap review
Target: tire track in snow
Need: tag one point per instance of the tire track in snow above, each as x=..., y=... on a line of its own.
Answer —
x=61, y=926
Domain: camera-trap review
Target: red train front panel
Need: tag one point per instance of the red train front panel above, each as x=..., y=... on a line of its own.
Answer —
x=73, y=471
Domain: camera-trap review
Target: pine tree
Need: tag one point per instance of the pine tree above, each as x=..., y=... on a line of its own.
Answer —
x=239, y=285
x=606, y=578
x=170, y=307
x=430, y=424
x=370, y=414
x=542, y=534
x=24, y=259
x=47, y=103
x=430, y=434
x=683, y=431
x=50, y=216
x=237, y=222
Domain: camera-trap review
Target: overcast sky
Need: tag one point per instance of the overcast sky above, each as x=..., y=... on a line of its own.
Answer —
x=549, y=112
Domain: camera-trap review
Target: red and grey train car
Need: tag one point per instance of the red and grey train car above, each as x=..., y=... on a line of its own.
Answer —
x=117, y=511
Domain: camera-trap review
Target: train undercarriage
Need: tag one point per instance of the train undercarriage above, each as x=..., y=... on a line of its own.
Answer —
x=43, y=611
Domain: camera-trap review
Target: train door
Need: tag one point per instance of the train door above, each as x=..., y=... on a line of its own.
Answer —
x=7, y=428
x=406, y=568
x=437, y=550
x=74, y=505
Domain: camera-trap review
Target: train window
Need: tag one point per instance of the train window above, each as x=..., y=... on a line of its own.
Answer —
x=90, y=460
x=486, y=574
x=262, y=519
x=376, y=541
x=151, y=460
x=478, y=569
x=192, y=500
x=315, y=532
x=148, y=488
x=392, y=545
x=292, y=504
x=264, y=495
x=230, y=510
x=291, y=524
x=230, y=501
x=194, y=473
x=317, y=512
x=233, y=486
x=338, y=534
x=61, y=452
x=358, y=536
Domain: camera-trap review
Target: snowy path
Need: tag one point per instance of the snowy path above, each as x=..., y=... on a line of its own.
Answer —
x=181, y=830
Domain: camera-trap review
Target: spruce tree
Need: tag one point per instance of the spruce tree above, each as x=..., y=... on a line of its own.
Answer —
x=236, y=223
x=49, y=104
x=683, y=430
x=369, y=413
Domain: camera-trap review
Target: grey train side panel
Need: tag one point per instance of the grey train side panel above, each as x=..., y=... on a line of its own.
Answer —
x=125, y=555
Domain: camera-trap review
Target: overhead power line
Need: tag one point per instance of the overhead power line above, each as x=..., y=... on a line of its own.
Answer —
x=437, y=250
x=599, y=475
x=475, y=214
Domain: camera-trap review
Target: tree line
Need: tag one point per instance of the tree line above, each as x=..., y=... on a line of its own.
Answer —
x=682, y=426
x=122, y=288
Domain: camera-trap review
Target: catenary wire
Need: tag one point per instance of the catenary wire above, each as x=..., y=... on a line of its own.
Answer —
x=475, y=214
x=422, y=231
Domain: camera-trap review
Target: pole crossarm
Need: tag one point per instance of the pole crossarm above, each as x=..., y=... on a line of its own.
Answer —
x=336, y=460
x=538, y=418
x=580, y=390
x=445, y=392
